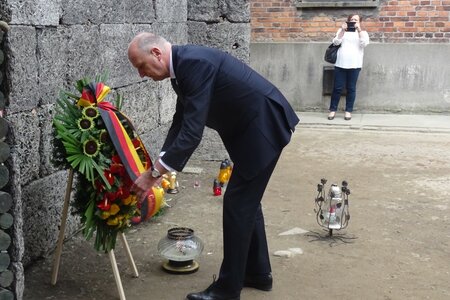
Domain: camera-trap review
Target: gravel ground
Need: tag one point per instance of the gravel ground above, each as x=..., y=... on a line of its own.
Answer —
x=395, y=247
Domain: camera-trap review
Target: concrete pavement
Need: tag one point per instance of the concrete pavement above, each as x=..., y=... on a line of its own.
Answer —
x=390, y=122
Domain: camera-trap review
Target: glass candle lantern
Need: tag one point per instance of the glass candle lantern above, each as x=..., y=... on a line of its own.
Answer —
x=180, y=247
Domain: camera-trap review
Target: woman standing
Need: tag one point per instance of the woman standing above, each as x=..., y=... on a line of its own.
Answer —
x=349, y=61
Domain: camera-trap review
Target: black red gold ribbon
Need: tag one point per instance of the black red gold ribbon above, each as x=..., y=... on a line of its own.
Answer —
x=94, y=94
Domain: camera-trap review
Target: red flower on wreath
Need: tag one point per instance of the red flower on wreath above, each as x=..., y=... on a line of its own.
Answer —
x=104, y=204
x=118, y=169
x=109, y=176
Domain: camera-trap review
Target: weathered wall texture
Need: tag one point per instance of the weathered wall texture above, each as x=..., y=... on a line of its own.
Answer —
x=395, y=21
x=7, y=226
x=405, y=67
x=399, y=78
x=49, y=46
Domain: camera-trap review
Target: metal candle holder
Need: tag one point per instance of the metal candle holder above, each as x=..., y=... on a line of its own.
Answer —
x=332, y=209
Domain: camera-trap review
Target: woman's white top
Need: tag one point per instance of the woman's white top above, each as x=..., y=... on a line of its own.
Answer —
x=351, y=53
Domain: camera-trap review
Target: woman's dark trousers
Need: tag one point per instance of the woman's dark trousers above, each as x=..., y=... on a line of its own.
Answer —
x=344, y=78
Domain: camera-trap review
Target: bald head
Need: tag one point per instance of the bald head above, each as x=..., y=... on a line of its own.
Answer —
x=150, y=55
x=145, y=40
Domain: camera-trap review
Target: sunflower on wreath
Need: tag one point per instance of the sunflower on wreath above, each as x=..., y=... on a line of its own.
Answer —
x=96, y=140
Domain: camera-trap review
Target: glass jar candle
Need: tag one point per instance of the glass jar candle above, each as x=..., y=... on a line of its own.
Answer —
x=180, y=247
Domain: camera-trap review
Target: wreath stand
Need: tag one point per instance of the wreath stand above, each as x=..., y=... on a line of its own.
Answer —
x=112, y=258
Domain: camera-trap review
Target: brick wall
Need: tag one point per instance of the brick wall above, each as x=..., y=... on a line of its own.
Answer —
x=392, y=21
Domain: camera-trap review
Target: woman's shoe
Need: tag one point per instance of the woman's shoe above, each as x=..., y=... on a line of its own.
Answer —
x=331, y=115
x=348, y=116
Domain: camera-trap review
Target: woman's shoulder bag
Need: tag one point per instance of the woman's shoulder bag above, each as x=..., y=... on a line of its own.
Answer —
x=331, y=53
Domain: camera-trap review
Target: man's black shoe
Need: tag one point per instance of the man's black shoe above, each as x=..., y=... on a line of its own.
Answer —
x=260, y=282
x=212, y=293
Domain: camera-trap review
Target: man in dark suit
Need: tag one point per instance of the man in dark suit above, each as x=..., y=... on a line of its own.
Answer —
x=254, y=121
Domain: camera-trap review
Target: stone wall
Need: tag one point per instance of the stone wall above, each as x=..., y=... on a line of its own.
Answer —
x=404, y=69
x=395, y=78
x=386, y=21
x=7, y=227
x=49, y=46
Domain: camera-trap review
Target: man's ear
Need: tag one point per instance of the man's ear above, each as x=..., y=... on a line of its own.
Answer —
x=156, y=52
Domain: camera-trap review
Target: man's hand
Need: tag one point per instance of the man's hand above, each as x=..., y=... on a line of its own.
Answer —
x=143, y=184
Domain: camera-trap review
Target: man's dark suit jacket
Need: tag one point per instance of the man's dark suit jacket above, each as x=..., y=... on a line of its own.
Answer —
x=253, y=118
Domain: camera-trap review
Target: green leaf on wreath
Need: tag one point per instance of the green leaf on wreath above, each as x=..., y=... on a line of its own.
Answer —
x=89, y=222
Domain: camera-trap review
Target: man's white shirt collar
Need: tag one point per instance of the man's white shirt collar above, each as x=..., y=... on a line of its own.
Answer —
x=172, y=72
